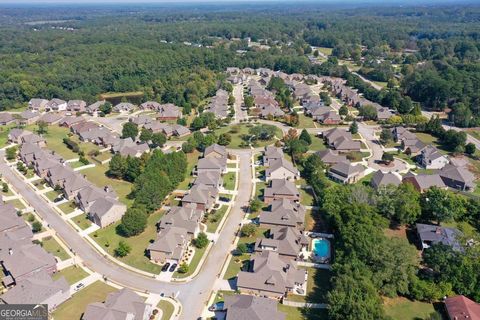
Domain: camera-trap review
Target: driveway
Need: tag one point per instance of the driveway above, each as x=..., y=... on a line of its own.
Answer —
x=194, y=294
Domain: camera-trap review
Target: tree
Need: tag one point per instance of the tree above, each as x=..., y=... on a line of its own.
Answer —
x=130, y=130
x=123, y=249
x=255, y=205
x=187, y=147
x=248, y=230
x=263, y=131
x=326, y=98
x=442, y=205
x=296, y=148
x=386, y=136
x=387, y=158
x=224, y=139
x=145, y=135
x=83, y=160
x=407, y=204
x=158, y=139
x=248, y=102
x=106, y=108
x=133, y=169
x=470, y=149
x=241, y=249
x=5, y=187
x=36, y=227
x=42, y=127
x=11, y=153
x=117, y=166
x=201, y=241
x=354, y=127
x=305, y=136
x=368, y=112
x=343, y=111
x=133, y=222
x=231, y=100
x=183, y=268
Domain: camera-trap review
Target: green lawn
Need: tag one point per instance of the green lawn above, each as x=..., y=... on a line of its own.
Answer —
x=167, y=308
x=318, y=285
x=192, y=159
x=96, y=175
x=68, y=207
x=4, y=130
x=237, y=131
x=17, y=204
x=197, y=256
x=221, y=295
x=317, y=144
x=74, y=308
x=229, y=180
x=51, y=245
x=82, y=221
x=303, y=314
x=326, y=51
x=39, y=184
x=75, y=164
x=109, y=239
x=72, y=274
x=404, y=309
x=235, y=265
x=215, y=217
x=54, y=138
x=306, y=197
x=52, y=195
x=305, y=122
x=103, y=156
x=259, y=189
x=231, y=165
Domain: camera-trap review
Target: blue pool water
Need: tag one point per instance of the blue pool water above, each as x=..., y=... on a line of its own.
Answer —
x=321, y=248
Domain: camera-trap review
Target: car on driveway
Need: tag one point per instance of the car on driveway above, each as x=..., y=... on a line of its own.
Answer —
x=165, y=267
x=217, y=306
x=173, y=267
x=79, y=286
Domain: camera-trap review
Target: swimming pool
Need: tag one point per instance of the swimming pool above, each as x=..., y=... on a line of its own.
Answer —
x=320, y=249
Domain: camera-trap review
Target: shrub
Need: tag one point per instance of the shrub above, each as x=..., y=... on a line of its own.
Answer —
x=4, y=187
x=36, y=227
x=123, y=249
x=201, y=241
x=183, y=268
x=241, y=249
x=248, y=230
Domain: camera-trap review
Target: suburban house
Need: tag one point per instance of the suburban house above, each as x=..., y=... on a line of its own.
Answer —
x=341, y=140
x=209, y=178
x=123, y=107
x=50, y=118
x=325, y=115
x=128, y=147
x=212, y=164
x=6, y=118
x=72, y=186
x=94, y=108
x=28, y=117
x=106, y=211
x=460, y=308
x=423, y=182
x=241, y=306
x=124, y=304
x=272, y=154
x=431, y=234
x=346, y=172
x=281, y=169
x=201, y=197
x=384, y=179
x=141, y=120
x=15, y=135
x=170, y=245
x=187, y=218
x=216, y=151
x=330, y=157
x=168, y=111
x=283, y=212
x=270, y=276
x=33, y=139
x=286, y=241
x=459, y=178
x=37, y=105
x=150, y=105
x=86, y=197
x=431, y=158
x=56, y=105
x=279, y=189
x=70, y=121
x=76, y=106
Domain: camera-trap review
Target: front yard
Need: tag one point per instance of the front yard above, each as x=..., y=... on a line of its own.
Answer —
x=229, y=180
x=68, y=207
x=197, y=256
x=82, y=221
x=167, y=309
x=51, y=245
x=72, y=274
x=214, y=218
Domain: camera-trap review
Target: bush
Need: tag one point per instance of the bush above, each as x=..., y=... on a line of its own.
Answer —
x=248, y=230
x=183, y=268
x=201, y=241
x=123, y=249
x=133, y=223
x=11, y=153
x=83, y=160
x=241, y=249
x=72, y=145
x=4, y=187
x=36, y=227
x=255, y=205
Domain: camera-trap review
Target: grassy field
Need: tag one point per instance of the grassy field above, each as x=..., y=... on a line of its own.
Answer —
x=197, y=256
x=302, y=314
x=235, y=265
x=51, y=245
x=241, y=130
x=82, y=221
x=17, y=204
x=306, y=197
x=4, y=130
x=68, y=207
x=325, y=51
x=259, y=189
x=52, y=195
x=305, y=122
x=214, y=219
x=404, y=309
x=72, y=274
x=54, y=138
x=229, y=180
x=318, y=284
x=167, y=309
x=74, y=308
x=317, y=144
x=109, y=239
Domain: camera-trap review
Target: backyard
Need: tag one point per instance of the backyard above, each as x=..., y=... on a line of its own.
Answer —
x=403, y=309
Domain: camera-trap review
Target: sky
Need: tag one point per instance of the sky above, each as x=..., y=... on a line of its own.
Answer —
x=219, y=1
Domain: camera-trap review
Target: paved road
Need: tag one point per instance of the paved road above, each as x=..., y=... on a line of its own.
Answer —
x=194, y=294
x=238, y=95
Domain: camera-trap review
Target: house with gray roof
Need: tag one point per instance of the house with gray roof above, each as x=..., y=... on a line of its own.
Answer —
x=50, y=118
x=272, y=154
x=459, y=178
x=128, y=147
x=124, y=304
x=270, y=276
x=124, y=107
x=87, y=196
x=150, y=105
x=431, y=158
x=76, y=106
x=28, y=117
x=432, y=234
x=94, y=108
x=269, y=110
x=279, y=189
x=209, y=178
x=283, y=212
x=15, y=135
x=282, y=169
x=216, y=151
x=330, y=157
x=287, y=241
x=384, y=179
x=38, y=289
x=346, y=172
x=201, y=197
x=241, y=307
x=187, y=217
x=141, y=120
x=33, y=139
x=56, y=105
x=212, y=164
x=423, y=182
x=170, y=245
x=70, y=121
x=6, y=118
x=415, y=146
x=72, y=186
x=57, y=175
x=37, y=105
x=106, y=211
x=168, y=111
x=335, y=133
x=345, y=144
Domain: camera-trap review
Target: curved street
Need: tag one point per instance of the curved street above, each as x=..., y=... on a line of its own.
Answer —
x=192, y=295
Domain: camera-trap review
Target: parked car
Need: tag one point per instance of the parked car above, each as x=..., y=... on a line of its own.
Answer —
x=165, y=267
x=217, y=306
x=58, y=199
x=173, y=267
x=79, y=286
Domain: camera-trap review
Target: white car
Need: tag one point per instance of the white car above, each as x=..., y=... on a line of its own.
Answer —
x=79, y=286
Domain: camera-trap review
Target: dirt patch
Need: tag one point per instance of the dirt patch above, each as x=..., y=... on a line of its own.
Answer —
x=398, y=232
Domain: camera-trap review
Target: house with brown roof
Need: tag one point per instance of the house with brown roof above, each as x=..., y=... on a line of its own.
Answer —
x=6, y=118
x=123, y=107
x=423, y=182
x=270, y=276
x=209, y=178
x=168, y=111
x=124, y=304
x=76, y=106
x=212, y=164
x=286, y=241
x=70, y=121
x=200, y=197
x=28, y=117
x=37, y=105
x=330, y=157
x=170, y=245
x=106, y=211
x=279, y=189
x=283, y=212
x=50, y=118
x=272, y=154
x=187, y=217
x=216, y=151
x=462, y=308
x=94, y=108
x=241, y=307
x=346, y=172
x=282, y=169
